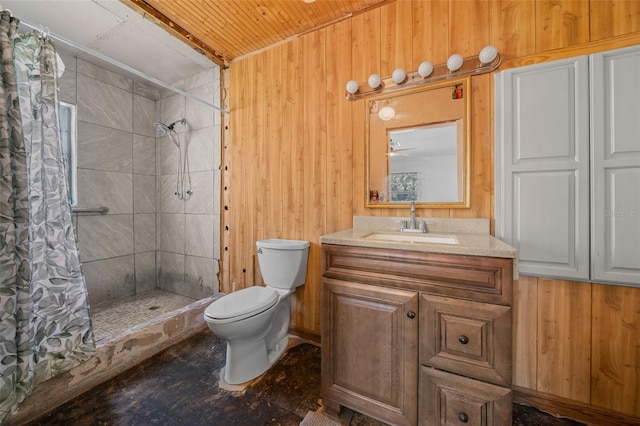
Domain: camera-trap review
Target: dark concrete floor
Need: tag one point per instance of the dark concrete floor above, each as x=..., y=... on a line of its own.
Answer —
x=180, y=387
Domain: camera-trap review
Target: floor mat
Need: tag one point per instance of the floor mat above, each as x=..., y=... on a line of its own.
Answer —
x=316, y=419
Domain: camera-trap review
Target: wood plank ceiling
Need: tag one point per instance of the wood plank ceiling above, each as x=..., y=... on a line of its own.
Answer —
x=225, y=30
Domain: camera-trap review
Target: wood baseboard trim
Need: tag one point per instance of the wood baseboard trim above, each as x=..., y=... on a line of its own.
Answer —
x=305, y=335
x=575, y=410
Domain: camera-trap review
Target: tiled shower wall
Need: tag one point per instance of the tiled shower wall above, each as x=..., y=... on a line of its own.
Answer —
x=123, y=165
x=188, y=230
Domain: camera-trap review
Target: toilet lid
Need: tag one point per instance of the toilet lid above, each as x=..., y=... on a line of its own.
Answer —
x=242, y=303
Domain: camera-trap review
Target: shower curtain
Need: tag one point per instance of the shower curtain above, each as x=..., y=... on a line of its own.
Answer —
x=45, y=326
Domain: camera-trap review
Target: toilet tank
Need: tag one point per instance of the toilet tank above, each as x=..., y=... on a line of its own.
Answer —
x=283, y=263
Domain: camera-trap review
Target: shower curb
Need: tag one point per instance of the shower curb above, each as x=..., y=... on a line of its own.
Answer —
x=112, y=357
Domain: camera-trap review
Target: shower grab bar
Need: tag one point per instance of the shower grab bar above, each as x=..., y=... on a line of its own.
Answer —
x=101, y=210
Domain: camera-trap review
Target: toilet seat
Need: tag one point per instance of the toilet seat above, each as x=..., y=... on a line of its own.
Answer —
x=242, y=304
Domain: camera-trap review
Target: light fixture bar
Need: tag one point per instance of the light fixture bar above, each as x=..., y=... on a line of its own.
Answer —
x=470, y=66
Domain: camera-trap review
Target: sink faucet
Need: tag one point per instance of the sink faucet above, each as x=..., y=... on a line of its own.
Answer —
x=412, y=225
x=412, y=221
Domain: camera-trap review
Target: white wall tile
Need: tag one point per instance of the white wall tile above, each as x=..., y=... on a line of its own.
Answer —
x=216, y=237
x=201, y=149
x=104, y=236
x=198, y=114
x=68, y=87
x=200, y=278
x=172, y=238
x=109, y=279
x=201, y=202
x=103, y=104
x=199, y=235
x=98, y=188
x=217, y=191
x=144, y=155
x=169, y=155
x=104, y=148
x=171, y=272
x=217, y=147
x=145, y=271
x=144, y=114
x=103, y=75
x=168, y=201
x=172, y=108
x=144, y=232
x=144, y=194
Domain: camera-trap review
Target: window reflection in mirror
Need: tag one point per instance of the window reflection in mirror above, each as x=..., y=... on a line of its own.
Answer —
x=67, y=120
x=418, y=146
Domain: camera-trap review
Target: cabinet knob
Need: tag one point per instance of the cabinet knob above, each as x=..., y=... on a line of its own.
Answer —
x=411, y=315
x=463, y=417
x=464, y=340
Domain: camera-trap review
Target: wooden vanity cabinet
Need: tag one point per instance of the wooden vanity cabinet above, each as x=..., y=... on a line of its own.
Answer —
x=416, y=337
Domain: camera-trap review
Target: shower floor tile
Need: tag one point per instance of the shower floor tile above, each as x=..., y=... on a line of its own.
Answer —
x=120, y=315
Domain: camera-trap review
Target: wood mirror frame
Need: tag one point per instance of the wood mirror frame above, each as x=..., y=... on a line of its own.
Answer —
x=422, y=110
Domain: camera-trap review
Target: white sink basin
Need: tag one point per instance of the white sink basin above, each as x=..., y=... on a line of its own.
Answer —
x=413, y=238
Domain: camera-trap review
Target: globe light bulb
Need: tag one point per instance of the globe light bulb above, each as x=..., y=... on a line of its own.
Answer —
x=488, y=54
x=425, y=69
x=352, y=86
x=455, y=62
x=398, y=75
x=386, y=113
x=374, y=81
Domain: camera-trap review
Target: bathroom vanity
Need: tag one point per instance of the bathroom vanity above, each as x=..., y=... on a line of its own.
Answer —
x=417, y=329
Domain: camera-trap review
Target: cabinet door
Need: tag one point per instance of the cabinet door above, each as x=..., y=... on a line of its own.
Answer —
x=542, y=166
x=616, y=165
x=369, y=350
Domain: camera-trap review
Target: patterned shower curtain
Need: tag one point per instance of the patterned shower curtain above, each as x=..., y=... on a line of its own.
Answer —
x=45, y=326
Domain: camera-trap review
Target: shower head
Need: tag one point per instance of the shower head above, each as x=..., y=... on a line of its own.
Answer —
x=161, y=127
x=166, y=128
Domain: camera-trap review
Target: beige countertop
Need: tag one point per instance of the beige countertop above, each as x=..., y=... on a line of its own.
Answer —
x=469, y=244
x=475, y=241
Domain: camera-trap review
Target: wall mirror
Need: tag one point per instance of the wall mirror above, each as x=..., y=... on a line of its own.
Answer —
x=418, y=146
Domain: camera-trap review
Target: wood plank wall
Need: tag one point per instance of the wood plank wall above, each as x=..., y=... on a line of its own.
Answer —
x=296, y=168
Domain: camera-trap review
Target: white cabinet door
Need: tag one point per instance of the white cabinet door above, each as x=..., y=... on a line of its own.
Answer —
x=615, y=147
x=542, y=168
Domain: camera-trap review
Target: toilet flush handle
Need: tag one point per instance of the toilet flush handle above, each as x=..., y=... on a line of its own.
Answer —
x=259, y=250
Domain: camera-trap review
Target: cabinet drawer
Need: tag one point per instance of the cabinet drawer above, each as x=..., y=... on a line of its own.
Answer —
x=448, y=399
x=472, y=277
x=465, y=337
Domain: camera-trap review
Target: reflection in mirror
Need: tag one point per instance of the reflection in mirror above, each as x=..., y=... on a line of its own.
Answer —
x=423, y=164
x=67, y=121
x=418, y=147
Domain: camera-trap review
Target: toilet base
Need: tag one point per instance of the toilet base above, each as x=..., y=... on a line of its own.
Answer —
x=250, y=359
x=278, y=350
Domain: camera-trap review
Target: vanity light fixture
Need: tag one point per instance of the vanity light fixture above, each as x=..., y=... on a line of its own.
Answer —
x=374, y=81
x=352, y=87
x=488, y=54
x=425, y=69
x=399, y=76
x=454, y=62
x=386, y=113
x=486, y=61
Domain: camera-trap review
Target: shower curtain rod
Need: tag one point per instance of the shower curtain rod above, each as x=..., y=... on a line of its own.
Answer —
x=123, y=66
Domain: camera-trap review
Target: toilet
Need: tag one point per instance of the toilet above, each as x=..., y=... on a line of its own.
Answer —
x=255, y=320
